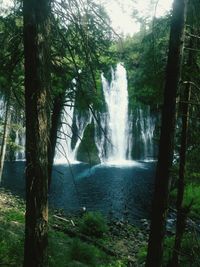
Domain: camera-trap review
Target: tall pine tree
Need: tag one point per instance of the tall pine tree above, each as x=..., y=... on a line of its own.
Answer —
x=162, y=181
x=36, y=15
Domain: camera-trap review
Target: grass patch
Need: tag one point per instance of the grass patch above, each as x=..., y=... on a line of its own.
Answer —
x=14, y=215
x=11, y=230
x=58, y=249
x=11, y=244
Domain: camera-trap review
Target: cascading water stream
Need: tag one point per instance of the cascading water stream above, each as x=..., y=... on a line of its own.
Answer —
x=20, y=142
x=114, y=130
x=117, y=124
x=147, y=132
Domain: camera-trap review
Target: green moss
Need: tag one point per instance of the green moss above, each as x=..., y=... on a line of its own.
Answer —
x=88, y=151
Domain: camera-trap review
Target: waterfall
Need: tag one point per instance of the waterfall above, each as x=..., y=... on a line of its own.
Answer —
x=20, y=144
x=143, y=128
x=121, y=134
x=71, y=122
x=116, y=123
x=147, y=125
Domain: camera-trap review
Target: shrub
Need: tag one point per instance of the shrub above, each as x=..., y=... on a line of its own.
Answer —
x=192, y=194
x=189, y=251
x=83, y=253
x=93, y=224
x=141, y=255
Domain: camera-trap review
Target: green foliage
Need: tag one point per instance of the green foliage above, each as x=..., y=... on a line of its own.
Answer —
x=117, y=263
x=11, y=230
x=11, y=245
x=82, y=62
x=84, y=253
x=144, y=56
x=14, y=215
x=93, y=224
x=192, y=196
x=141, y=255
x=193, y=159
x=58, y=249
x=189, y=251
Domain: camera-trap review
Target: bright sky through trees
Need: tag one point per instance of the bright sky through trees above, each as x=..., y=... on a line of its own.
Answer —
x=121, y=12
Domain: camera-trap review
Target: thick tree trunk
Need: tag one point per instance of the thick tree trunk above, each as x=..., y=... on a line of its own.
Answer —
x=5, y=137
x=36, y=32
x=162, y=181
x=181, y=210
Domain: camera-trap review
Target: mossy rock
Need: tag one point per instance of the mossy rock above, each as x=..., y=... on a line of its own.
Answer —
x=88, y=151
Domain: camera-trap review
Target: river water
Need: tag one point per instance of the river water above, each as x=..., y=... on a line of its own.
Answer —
x=121, y=192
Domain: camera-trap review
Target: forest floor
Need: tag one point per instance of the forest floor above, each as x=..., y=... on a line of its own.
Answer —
x=119, y=246
x=72, y=244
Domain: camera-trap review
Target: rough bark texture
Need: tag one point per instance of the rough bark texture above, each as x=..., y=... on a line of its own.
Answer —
x=36, y=32
x=162, y=181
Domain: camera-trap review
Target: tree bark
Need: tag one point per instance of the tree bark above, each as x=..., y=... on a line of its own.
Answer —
x=36, y=15
x=55, y=125
x=5, y=137
x=162, y=180
x=181, y=210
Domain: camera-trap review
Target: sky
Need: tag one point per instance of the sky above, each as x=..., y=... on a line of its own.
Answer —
x=120, y=12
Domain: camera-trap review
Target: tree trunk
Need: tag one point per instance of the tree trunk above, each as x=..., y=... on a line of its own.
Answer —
x=5, y=137
x=181, y=210
x=37, y=78
x=55, y=125
x=162, y=180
